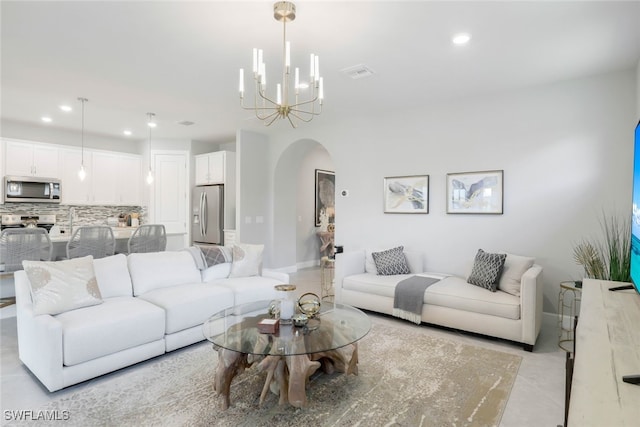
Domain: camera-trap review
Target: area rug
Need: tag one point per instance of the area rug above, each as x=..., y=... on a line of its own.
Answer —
x=407, y=377
x=5, y=302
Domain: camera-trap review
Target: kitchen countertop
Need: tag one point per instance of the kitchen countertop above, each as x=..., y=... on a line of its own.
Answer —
x=118, y=232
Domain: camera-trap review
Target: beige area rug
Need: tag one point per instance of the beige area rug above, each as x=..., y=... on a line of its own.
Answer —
x=406, y=378
x=5, y=302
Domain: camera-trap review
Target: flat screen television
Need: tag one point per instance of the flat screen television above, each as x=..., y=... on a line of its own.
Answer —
x=635, y=233
x=635, y=216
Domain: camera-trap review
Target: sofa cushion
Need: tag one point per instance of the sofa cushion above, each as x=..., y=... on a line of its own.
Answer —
x=373, y=283
x=514, y=267
x=455, y=292
x=189, y=305
x=59, y=286
x=391, y=261
x=112, y=274
x=248, y=289
x=218, y=271
x=486, y=270
x=247, y=260
x=119, y=323
x=156, y=270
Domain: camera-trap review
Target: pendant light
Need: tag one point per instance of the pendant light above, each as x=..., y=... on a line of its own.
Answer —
x=82, y=173
x=151, y=124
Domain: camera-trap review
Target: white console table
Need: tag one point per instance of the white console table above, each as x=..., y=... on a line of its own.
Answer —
x=607, y=348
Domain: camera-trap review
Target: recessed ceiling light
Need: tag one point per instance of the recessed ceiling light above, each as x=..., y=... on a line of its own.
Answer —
x=127, y=132
x=461, y=39
x=46, y=119
x=65, y=108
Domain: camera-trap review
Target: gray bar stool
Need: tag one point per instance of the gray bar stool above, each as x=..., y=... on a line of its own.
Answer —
x=18, y=244
x=148, y=238
x=93, y=240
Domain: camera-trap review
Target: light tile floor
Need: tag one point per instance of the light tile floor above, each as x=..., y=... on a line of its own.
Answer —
x=537, y=398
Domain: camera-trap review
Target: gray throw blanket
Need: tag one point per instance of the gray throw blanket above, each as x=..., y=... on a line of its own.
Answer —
x=409, y=297
x=208, y=256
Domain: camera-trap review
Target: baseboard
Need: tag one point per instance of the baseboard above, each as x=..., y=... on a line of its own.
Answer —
x=308, y=264
x=299, y=266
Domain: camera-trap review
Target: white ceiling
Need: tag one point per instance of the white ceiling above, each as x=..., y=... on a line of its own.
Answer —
x=180, y=59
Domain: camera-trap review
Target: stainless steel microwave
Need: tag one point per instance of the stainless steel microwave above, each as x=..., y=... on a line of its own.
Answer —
x=31, y=189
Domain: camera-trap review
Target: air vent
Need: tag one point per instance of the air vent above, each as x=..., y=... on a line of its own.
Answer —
x=358, y=71
x=185, y=123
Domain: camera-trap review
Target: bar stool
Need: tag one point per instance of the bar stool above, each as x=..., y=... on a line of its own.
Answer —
x=148, y=238
x=18, y=244
x=96, y=240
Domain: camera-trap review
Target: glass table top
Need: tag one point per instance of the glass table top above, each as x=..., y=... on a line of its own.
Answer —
x=335, y=326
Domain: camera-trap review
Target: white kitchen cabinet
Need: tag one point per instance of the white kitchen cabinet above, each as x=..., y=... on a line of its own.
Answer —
x=129, y=180
x=112, y=178
x=210, y=168
x=74, y=191
x=31, y=159
x=104, y=169
x=219, y=167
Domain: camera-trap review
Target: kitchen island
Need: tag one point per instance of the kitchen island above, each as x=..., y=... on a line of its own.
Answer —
x=59, y=241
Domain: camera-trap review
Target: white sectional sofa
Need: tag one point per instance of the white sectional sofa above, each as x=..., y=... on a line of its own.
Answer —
x=152, y=303
x=451, y=302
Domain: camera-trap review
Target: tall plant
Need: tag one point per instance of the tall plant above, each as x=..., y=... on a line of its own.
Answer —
x=609, y=259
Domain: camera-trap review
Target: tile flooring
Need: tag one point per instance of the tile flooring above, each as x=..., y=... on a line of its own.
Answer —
x=537, y=398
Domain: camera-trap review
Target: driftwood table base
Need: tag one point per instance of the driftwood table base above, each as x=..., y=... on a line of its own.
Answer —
x=287, y=376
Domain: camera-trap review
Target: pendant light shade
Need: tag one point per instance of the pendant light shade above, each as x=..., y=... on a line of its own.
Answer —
x=151, y=124
x=82, y=173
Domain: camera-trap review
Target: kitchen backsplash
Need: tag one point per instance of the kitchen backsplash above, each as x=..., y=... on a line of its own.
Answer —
x=85, y=215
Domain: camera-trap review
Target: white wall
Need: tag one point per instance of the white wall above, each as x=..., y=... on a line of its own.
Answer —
x=565, y=149
x=253, y=205
x=307, y=242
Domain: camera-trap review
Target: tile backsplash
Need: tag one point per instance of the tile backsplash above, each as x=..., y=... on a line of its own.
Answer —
x=85, y=215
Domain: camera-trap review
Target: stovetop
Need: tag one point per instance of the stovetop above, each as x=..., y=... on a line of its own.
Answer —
x=24, y=220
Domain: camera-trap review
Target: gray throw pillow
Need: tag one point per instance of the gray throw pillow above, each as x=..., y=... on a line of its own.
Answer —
x=486, y=270
x=390, y=262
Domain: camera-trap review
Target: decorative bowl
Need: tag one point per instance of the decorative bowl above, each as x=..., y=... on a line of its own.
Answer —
x=309, y=304
x=299, y=319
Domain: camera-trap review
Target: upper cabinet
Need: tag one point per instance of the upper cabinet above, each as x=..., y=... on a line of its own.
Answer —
x=112, y=178
x=31, y=159
x=210, y=168
x=219, y=167
x=129, y=180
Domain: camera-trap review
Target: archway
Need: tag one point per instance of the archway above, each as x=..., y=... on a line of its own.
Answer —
x=295, y=241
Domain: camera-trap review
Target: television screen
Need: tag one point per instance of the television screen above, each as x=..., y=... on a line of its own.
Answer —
x=635, y=219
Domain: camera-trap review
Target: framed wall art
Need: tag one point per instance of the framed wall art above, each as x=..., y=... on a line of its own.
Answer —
x=406, y=194
x=325, y=184
x=475, y=192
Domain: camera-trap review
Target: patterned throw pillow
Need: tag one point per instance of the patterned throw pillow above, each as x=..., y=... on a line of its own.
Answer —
x=59, y=286
x=486, y=270
x=390, y=262
x=247, y=260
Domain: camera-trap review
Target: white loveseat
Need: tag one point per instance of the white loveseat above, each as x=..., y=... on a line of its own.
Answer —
x=152, y=303
x=451, y=302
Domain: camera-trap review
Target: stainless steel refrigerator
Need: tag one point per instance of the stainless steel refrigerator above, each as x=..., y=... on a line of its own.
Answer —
x=207, y=219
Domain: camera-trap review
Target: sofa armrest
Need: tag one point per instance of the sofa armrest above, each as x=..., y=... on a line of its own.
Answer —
x=283, y=277
x=39, y=338
x=531, y=290
x=347, y=264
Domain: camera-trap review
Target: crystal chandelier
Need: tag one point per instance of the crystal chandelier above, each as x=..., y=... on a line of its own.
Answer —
x=265, y=106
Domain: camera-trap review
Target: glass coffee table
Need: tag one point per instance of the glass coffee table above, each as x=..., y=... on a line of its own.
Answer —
x=289, y=356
